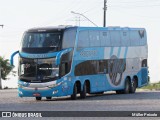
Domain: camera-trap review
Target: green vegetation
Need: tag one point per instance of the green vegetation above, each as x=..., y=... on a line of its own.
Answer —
x=5, y=66
x=152, y=86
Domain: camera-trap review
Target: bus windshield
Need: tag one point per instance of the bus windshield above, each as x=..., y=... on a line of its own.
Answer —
x=31, y=70
x=41, y=42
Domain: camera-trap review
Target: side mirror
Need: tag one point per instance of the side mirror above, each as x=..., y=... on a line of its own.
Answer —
x=59, y=55
x=12, y=58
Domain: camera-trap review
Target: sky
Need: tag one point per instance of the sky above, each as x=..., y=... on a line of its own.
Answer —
x=20, y=15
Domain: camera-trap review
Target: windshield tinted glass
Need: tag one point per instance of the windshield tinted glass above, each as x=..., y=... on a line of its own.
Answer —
x=41, y=70
x=41, y=42
x=35, y=40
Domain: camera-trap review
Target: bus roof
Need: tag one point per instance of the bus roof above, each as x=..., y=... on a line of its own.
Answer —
x=63, y=27
x=110, y=28
x=50, y=28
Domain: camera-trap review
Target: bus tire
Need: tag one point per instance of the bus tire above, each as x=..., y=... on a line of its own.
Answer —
x=127, y=87
x=100, y=93
x=48, y=98
x=119, y=92
x=74, y=95
x=84, y=91
x=38, y=98
x=133, y=86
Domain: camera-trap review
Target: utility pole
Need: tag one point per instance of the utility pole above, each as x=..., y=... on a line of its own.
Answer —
x=105, y=9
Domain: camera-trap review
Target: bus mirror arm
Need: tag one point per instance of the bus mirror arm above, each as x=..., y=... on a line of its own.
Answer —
x=59, y=55
x=12, y=57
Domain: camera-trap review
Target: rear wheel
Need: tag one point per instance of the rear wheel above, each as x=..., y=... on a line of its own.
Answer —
x=127, y=87
x=100, y=93
x=48, y=98
x=133, y=86
x=74, y=95
x=84, y=91
x=119, y=91
x=38, y=98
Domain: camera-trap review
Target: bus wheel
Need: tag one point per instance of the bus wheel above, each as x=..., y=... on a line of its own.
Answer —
x=127, y=87
x=38, y=98
x=74, y=95
x=84, y=91
x=100, y=93
x=133, y=86
x=48, y=98
x=119, y=92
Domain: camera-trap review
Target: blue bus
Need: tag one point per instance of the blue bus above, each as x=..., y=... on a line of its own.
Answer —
x=71, y=60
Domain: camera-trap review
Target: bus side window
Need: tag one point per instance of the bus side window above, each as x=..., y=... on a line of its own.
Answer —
x=105, y=38
x=83, y=39
x=94, y=38
x=69, y=39
x=65, y=65
x=125, y=41
x=64, y=69
x=115, y=38
x=134, y=38
x=102, y=66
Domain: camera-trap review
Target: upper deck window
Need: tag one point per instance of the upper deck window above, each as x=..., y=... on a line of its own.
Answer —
x=69, y=38
x=41, y=42
x=32, y=40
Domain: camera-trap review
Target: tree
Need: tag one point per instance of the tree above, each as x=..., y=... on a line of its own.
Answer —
x=5, y=66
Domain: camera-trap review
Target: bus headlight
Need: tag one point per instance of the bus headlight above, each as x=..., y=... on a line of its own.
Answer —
x=20, y=92
x=55, y=91
x=54, y=85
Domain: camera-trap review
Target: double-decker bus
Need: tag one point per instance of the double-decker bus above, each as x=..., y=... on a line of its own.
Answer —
x=70, y=60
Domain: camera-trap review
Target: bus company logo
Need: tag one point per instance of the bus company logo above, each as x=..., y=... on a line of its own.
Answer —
x=141, y=33
x=37, y=56
x=88, y=53
x=116, y=67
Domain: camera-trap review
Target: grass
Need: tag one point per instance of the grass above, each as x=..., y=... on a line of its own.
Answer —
x=152, y=86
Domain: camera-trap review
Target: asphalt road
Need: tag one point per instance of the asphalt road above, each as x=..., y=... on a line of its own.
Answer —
x=109, y=101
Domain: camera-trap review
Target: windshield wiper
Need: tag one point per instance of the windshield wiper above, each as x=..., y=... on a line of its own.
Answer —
x=49, y=77
x=52, y=77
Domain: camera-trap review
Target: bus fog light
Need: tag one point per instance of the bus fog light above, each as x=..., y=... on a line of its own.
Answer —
x=55, y=91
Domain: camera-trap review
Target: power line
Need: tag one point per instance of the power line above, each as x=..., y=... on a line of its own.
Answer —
x=139, y=1
x=84, y=17
x=77, y=20
x=134, y=6
x=93, y=8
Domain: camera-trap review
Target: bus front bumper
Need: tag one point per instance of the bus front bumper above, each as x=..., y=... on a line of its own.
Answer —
x=43, y=92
